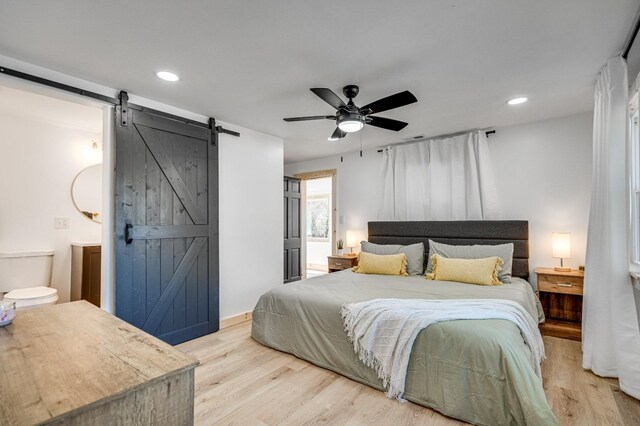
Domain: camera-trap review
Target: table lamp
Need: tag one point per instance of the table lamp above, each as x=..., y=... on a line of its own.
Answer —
x=561, y=249
x=352, y=241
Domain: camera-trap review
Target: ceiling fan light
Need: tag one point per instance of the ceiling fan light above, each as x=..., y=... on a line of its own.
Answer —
x=350, y=126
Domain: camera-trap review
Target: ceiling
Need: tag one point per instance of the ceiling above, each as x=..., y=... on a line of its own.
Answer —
x=252, y=62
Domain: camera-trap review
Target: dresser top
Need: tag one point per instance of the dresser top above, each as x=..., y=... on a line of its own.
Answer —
x=551, y=271
x=85, y=244
x=343, y=256
x=73, y=356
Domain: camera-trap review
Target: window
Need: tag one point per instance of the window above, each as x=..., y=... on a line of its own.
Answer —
x=634, y=181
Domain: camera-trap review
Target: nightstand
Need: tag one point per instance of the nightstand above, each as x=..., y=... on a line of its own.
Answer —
x=560, y=294
x=340, y=262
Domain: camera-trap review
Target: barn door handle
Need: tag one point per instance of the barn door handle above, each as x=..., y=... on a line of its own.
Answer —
x=127, y=233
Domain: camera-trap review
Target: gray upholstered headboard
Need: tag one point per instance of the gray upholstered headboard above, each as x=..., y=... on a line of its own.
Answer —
x=464, y=232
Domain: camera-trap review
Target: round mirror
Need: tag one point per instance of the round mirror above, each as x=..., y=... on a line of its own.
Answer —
x=87, y=192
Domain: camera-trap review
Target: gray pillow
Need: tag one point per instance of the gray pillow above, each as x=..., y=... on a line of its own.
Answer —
x=503, y=251
x=414, y=253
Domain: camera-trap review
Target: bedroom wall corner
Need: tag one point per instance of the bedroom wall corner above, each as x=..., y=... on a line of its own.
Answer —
x=251, y=226
x=542, y=169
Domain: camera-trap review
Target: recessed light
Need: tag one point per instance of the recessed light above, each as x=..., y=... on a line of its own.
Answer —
x=331, y=138
x=517, y=101
x=168, y=76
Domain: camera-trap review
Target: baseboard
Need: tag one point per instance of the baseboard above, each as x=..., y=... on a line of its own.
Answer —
x=237, y=319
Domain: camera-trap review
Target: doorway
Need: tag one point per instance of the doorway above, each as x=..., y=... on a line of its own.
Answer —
x=51, y=155
x=318, y=200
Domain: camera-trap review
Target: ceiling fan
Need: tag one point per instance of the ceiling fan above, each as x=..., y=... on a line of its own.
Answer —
x=351, y=118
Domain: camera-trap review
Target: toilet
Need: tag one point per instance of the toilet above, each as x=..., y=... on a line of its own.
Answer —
x=25, y=277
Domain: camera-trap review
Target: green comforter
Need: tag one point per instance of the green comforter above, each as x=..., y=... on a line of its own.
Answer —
x=475, y=370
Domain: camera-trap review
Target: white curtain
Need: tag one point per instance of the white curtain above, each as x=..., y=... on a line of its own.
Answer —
x=611, y=340
x=439, y=179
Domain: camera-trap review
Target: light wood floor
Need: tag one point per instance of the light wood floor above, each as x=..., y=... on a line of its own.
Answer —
x=240, y=382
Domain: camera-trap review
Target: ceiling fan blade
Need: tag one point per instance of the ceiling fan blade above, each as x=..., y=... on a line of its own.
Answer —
x=337, y=134
x=387, y=123
x=391, y=102
x=329, y=97
x=313, y=117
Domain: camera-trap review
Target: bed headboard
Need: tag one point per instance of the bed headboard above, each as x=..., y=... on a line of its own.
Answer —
x=463, y=232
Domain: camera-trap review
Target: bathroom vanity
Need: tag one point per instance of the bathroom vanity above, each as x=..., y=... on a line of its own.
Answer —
x=86, y=272
x=73, y=364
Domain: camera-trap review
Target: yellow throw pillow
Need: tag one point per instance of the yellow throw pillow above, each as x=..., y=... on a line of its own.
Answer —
x=388, y=264
x=470, y=271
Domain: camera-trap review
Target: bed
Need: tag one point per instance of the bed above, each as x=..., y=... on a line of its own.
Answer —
x=478, y=371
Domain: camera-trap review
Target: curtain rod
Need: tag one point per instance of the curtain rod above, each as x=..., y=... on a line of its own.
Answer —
x=486, y=132
x=632, y=36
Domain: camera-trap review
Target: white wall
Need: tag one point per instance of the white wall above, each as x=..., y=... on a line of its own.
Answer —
x=543, y=170
x=317, y=253
x=251, y=227
x=38, y=162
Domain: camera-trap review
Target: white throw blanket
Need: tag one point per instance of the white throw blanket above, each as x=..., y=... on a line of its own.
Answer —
x=383, y=330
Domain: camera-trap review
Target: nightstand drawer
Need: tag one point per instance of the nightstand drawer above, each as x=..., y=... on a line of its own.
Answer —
x=560, y=294
x=560, y=284
x=340, y=263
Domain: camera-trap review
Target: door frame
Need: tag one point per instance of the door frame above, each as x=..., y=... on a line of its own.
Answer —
x=304, y=177
x=303, y=228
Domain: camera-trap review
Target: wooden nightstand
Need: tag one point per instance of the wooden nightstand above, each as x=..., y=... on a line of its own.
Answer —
x=340, y=262
x=561, y=296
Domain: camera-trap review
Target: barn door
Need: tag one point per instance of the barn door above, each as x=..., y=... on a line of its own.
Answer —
x=166, y=225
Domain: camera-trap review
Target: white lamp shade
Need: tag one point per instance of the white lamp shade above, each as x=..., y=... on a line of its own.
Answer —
x=561, y=245
x=353, y=238
x=350, y=125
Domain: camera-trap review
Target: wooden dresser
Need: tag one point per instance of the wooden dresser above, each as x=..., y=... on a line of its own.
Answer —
x=560, y=294
x=75, y=364
x=340, y=262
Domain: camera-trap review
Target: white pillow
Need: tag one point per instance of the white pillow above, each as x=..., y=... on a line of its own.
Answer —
x=414, y=253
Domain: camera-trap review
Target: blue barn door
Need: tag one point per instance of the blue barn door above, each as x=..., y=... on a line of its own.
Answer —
x=166, y=224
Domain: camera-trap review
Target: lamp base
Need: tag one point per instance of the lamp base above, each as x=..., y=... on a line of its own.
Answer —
x=561, y=269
